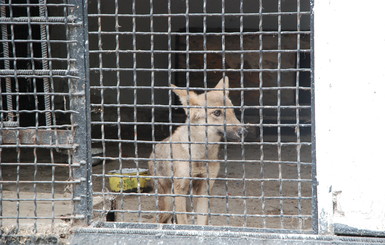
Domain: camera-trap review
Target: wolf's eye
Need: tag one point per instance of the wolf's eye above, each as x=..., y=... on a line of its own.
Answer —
x=217, y=113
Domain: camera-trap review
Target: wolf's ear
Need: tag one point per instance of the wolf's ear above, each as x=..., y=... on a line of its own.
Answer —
x=223, y=83
x=182, y=94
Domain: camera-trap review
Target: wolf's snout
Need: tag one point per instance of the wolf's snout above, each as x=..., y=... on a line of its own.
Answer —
x=242, y=131
x=236, y=134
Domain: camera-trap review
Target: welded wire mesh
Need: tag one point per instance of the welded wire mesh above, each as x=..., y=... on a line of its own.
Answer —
x=39, y=116
x=138, y=49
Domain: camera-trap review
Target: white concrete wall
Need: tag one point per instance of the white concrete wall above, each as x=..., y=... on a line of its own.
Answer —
x=350, y=116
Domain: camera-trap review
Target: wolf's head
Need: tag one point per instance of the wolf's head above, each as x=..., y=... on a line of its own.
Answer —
x=213, y=110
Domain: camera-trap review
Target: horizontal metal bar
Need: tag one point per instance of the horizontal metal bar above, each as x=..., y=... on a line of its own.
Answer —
x=202, y=89
x=64, y=5
x=68, y=147
x=42, y=181
x=72, y=165
x=68, y=20
x=26, y=76
x=192, y=14
x=51, y=23
x=186, y=33
x=244, y=51
x=37, y=41
x=146, y=233
x=121, y=105
x=201, y=106
x=267, y=161
x=204, y=196
x=201, y=178
x=40, y=111
x=343, y=229
x=54, y=127
x=265, y=125
x=273, y=143
x=39, y=93
x=37, y=72
x=78, y=216
x=303, y=216
x=39, y=199
x=201, y=70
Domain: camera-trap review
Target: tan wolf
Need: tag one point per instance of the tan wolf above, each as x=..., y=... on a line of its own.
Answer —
x=211, y=117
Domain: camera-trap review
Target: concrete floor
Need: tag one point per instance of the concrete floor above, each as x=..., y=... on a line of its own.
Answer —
x=265, y=194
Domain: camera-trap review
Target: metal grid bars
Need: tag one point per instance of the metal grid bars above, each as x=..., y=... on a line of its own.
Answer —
x=139, y=49
x=43, y=172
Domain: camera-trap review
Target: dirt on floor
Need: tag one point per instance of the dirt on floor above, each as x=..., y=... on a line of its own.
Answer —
x=273, y=193
x=263, y=194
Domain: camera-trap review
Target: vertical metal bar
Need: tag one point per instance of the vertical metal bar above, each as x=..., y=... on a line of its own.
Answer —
x=44, y=54
x=52, y=191
x=102, y=109
x=36, y=101
x=242, y=111
x=187, y=5
x=35, y=204
x=206, y=100
x=225, y=148
x=169, y=47
x=80, y=102
x=1, y=170
x=152, y=61
x=313, y=130
x=49, y=86
x=8, y=84
x=135, y=108
x=18, y=143
x=136, y=100
x=261, y=121
x=118, y=101
x=279, y=145
x=297, y=128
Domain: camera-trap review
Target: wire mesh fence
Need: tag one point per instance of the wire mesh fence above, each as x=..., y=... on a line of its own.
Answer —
x=43, y=172
x=197, y=175
x=205, y=104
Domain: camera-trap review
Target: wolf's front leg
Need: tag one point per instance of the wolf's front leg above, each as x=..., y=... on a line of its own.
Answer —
x=202, y=204
x=201, y=188
x=181, y=188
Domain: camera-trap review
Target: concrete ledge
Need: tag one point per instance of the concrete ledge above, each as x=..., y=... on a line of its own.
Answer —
x=124, y=233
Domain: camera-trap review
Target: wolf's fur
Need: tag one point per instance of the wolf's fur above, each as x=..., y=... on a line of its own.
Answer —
x=211, y=131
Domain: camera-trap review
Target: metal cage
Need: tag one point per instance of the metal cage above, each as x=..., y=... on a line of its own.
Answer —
x=44, y=138
x=86, y=93
x=138, y=49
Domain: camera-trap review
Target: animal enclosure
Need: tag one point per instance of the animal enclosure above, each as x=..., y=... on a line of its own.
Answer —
x=86, y=93
x=139, y=49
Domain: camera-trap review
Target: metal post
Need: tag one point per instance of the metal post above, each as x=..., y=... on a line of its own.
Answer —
x=44, y=55
x=79, y=101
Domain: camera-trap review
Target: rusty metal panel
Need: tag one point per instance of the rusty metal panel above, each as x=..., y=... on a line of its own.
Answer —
x=53, y=138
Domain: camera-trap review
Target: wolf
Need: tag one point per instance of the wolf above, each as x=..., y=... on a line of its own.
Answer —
x=180, y=158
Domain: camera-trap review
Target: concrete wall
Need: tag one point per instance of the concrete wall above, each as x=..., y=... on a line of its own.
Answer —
x=350, y=96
